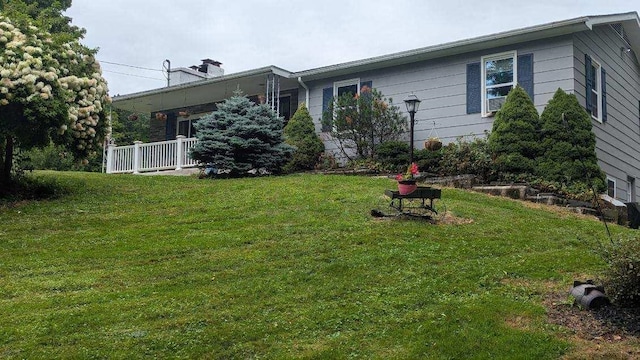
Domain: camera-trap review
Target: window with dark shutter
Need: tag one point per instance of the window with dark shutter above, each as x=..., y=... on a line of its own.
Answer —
x=595, y=89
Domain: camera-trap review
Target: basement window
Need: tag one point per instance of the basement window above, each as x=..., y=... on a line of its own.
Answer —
x=611, y=187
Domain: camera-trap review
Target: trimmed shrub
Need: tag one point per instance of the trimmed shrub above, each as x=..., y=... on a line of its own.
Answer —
x=429, y=162
x=569, y=145
x=300, y=133
x=468, y=157
x=515, y=138
x=622, y=277
x=393, y=155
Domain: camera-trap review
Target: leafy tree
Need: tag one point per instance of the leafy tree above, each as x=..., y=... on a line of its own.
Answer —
x=51, y=90
x=569, y=144
x=515, y=138
x=361, y=122
x=300, y=132
x=46, y=15
x=241, y=136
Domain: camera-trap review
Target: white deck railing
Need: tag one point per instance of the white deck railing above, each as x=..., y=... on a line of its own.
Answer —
x=141, y=157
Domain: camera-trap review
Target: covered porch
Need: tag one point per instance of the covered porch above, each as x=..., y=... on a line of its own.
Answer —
x=175, y=109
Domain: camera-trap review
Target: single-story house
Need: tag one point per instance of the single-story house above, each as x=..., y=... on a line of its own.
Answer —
x=593, y=57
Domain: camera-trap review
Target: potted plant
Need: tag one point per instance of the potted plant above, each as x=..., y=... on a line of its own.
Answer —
x=407, y=180
x=184, y=113
x=161, y=116
x=433, y=144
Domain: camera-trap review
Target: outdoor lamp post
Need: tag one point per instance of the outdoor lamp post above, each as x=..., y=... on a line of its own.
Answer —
x=412, y=103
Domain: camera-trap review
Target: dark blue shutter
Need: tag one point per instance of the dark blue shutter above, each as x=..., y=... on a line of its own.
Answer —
x=327, y=96
x=525, y=73
x=603, y=80
x=588, y=81
x=474, y=88
x=368, y=84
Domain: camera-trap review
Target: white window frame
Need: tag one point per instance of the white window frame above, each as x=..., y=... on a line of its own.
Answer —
x=597, y=90
x=344, y=83
x=501, y=56
x=615, y=187
x=631, y=189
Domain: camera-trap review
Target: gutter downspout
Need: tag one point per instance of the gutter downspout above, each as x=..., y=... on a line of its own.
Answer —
x=307, y=90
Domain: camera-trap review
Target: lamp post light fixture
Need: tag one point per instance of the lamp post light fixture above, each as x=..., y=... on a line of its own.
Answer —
x=412, y=103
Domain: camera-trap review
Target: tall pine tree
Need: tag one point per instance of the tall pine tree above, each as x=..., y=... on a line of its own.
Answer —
x=569, y=145
x=241, y=136
x=300, y=132
x=515, y=138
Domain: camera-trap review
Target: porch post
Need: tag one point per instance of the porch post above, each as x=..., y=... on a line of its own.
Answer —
x=136, y=157
x=110, y=146
x=179, y=142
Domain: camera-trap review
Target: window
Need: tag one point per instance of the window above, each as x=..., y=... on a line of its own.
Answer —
x=329, y=94
x=596, y=90
x=351, y=86
x=611, y=187
x=186, y=128
x=499, y=76
x=631, y=189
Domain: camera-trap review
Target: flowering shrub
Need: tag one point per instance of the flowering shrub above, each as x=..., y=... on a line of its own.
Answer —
x=411, y=173
x=49, y=91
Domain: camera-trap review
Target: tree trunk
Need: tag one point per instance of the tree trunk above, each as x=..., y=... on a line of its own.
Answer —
x=8, y=160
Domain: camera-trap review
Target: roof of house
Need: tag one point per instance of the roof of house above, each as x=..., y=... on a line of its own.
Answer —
x=630, y=21
x=160, y=99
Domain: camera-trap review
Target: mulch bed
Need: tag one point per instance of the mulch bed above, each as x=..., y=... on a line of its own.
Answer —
x=609, y=323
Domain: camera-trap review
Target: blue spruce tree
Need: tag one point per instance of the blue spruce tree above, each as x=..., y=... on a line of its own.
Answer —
x=241, y=136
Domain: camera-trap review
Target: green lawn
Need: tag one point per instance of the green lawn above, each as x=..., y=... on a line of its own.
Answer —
x=281, y=267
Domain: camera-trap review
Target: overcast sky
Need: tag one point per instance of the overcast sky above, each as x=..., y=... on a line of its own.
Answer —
x=294, y=35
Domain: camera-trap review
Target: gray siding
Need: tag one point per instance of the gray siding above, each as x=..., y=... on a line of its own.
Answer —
x=618, y=139
x=441, y=85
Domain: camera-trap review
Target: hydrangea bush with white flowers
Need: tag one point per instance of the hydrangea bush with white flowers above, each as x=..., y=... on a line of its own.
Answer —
x=49, y=91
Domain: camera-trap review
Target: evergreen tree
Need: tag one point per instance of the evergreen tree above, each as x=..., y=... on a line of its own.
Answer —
x=515, y=138
x=569, y=145
x=300, y=132
x=361, y=122
x=241, y=136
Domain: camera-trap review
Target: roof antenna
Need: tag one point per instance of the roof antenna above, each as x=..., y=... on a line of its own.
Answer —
x=166, y=65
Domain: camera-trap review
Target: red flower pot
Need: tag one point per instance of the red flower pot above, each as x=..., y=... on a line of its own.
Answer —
x=406, y=187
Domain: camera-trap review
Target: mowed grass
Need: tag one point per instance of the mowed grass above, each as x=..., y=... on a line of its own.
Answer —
x=129, y=267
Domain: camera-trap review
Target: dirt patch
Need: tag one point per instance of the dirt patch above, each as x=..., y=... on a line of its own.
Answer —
x=607, y=333
x=445, y=218
x=449, y=219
